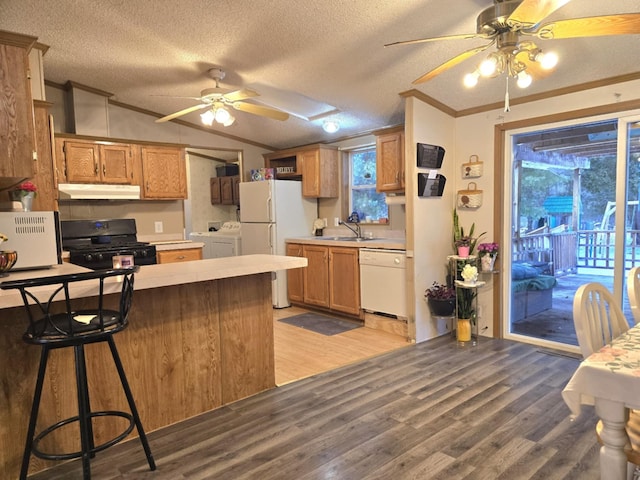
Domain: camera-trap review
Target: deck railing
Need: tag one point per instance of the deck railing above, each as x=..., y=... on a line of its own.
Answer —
x=566, y=251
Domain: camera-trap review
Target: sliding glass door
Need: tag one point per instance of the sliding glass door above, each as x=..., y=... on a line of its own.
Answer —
x=565, y=183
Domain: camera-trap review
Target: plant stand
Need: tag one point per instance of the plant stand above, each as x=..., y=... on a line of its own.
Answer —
x=466, y=335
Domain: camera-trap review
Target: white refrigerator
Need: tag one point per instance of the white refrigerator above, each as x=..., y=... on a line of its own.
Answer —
x=270, y=212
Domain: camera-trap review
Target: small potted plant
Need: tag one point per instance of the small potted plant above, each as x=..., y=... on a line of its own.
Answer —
x=466, y=313
x=441, y=299
x=25, y=193
x=488, y=253
x=463, y=245
x=459, y=235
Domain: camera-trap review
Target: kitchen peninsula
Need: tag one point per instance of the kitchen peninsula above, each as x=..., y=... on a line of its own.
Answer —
x=200, y=336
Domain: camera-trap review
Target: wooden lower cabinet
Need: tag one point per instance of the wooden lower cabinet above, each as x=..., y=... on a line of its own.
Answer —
x=181, y=255
x=331, y=279
x=295, y=277
x=316, y=275
x=344, y=280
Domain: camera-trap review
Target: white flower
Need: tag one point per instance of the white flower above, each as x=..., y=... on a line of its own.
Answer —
x=469, y=273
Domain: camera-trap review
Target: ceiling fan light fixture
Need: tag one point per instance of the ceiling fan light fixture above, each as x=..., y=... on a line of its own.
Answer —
x=489, y=65
x=207, y=117
x=331, y=126
x=524, y=79
x=548, y=60
x=230, y=121
x=222, y=115
x=471, y=79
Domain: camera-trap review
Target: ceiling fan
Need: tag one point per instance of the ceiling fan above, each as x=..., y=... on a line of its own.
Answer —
x=218, y=101
x=508, y=23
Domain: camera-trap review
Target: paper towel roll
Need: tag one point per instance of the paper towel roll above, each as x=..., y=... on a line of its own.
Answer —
x=394, y=199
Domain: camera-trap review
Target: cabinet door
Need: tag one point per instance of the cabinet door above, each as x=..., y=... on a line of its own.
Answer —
x=316, y=275
x=390, y=162
x=309, y=165
x=295, y=276
x=164, y=173
x=344, y=280
x=226, y=190
x=236, y=189
x=82, y=162
x=116, y=165
x=44, y=171
x=17, y=138
x=216, y=194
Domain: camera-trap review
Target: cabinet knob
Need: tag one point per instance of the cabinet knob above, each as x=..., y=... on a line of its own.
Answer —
x=104, y=169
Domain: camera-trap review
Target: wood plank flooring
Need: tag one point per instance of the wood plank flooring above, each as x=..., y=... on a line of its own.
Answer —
x=300, y=353
x=429, y=411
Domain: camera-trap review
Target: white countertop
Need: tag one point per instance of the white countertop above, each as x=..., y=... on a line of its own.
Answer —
x=386, y=243
x=160, y=275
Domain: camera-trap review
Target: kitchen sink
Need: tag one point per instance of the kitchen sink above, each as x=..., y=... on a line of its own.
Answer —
x=350, y=239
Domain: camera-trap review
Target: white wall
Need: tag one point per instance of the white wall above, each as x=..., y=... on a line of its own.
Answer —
x=474, y=134
x=429, y=234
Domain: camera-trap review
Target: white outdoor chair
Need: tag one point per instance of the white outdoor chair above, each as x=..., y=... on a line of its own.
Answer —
x=598, y=319
x=633, y=292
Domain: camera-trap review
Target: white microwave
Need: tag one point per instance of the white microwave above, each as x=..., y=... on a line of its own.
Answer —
x=35, y=236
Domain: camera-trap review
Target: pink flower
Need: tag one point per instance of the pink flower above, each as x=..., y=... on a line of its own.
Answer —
x=27, y=187
x=488, y=249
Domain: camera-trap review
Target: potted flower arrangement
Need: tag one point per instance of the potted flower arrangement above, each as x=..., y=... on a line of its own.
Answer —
x=488, y=253
x=459, y=236
x=25, y=193
x=441, y=299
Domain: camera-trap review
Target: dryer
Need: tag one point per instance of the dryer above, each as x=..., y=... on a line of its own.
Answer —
x=226, y=242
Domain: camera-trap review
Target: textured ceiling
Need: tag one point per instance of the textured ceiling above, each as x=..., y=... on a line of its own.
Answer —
x=331, y=51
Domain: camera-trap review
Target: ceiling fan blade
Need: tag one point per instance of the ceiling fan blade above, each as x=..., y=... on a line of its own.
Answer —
x=260, y=110
x=241, y=95
x=532, y=12
x=451, y=63
x=433, y=39
x=628, y=23
x=182, y=112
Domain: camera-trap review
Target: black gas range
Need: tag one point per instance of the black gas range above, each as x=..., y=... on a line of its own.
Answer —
x=93, y=243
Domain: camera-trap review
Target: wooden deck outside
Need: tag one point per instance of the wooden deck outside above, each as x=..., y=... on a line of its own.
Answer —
x=556, y=324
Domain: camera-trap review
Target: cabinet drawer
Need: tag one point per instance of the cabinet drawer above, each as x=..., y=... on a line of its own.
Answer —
x=182, y=255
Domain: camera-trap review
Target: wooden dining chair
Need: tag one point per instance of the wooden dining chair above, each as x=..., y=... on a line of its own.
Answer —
x=633, y=292
x=598, y=319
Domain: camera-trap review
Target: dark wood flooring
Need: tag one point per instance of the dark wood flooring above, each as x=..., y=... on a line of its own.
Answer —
x=427, y=411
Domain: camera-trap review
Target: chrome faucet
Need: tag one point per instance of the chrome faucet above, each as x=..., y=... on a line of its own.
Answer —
x=356, y=230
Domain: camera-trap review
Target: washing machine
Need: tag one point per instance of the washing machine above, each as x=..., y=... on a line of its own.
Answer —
x=225, y=242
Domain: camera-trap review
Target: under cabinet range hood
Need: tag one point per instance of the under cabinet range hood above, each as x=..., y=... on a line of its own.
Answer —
x=92, y=191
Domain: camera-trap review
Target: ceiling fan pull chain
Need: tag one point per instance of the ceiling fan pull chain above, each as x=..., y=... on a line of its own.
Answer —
x=507, y=107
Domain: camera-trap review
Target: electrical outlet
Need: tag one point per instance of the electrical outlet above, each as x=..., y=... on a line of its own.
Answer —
x=159, y=227
x=336, y=222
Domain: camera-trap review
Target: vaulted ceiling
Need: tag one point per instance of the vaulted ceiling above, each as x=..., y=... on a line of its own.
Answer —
x=146, y=52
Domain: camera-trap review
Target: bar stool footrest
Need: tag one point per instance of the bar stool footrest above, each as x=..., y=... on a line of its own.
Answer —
x=92, y=451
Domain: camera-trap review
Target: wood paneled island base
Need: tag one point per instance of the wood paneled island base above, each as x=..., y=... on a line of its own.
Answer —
x=189, y=348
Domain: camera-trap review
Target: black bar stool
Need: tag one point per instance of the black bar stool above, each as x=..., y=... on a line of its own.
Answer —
x=51, y=330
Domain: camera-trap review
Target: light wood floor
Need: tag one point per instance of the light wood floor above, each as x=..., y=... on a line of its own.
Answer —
x=432, y=411
x=300, y=353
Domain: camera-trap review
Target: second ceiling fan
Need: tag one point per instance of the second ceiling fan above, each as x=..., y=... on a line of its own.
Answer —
x=219, y=101
x=507, y=23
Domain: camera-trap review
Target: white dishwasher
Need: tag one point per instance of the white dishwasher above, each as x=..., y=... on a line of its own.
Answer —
x=383, y=283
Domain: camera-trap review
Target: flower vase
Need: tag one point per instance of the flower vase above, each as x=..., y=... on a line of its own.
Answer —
x=487, y=262
x=463, y=252
x=463, y=330
x=27, y=200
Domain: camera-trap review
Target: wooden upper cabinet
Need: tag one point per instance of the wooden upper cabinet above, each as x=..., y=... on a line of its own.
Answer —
x=317, y=166
x=390, y=160
x=216, y=192
x=17, y=137
x=95, y=162
x=164, y=172
x=225, y=190
x=44, y=175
